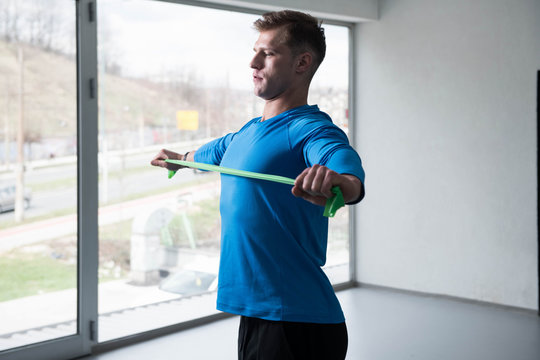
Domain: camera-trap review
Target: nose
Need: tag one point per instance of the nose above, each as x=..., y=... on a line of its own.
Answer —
x=255, y=62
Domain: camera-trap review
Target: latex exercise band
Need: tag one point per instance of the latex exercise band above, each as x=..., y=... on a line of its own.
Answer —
x=332, y=204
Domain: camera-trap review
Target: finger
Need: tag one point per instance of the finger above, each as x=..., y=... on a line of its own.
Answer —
x=318, y=180
x=317, y=200
x=300, y=178
x=298, y=189
x=303, y=186
x=157, y=162
x=159, y=159
x=329, y=181
x=307, y=183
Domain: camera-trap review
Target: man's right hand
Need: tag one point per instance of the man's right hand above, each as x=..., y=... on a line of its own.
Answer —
x=159, y=159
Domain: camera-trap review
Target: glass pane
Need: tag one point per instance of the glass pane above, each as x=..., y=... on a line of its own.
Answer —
x=169, y=80
x=330, y=90
x=159, y=238
x=38, y=171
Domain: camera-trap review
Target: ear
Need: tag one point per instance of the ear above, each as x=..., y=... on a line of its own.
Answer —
x=304, y=62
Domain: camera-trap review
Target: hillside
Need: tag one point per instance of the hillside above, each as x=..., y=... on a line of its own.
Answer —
x=125, y=105
x=132, y=112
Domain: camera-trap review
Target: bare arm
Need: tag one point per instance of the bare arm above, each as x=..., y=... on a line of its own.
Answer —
x=314, y=184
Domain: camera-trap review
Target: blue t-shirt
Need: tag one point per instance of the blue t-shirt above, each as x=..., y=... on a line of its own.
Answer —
x=273, y=244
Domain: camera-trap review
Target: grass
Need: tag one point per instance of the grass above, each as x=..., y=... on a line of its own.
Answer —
x=34, y=274
x=30, y=270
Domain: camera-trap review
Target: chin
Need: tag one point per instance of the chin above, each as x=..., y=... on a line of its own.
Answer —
x=260, y=94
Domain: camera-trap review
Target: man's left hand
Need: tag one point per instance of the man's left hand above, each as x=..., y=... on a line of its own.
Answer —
x=314, y=184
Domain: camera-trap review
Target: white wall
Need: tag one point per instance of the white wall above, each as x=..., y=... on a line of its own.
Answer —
x=446, y=111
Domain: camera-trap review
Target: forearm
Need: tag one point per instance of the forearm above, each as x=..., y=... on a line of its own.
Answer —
x=352, y=189
x=191, y=155
x=187, y=156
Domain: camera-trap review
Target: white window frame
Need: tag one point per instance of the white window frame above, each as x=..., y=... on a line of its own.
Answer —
x=82, y=342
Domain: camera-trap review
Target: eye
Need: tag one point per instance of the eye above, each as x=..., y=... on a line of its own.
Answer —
x=268, y=53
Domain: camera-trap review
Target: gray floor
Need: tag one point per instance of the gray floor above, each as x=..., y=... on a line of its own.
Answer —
x=383, y=325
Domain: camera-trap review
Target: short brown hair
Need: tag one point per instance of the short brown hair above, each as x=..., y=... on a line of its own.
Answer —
x=303, y=32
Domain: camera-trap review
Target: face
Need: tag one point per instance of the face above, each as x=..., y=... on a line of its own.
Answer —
x=272, y=64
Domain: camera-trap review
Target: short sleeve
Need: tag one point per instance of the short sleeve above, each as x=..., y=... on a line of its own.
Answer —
x=212, y=152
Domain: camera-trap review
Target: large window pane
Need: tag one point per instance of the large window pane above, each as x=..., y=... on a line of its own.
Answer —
x=170, y=80
x=160, y=88
x=330, y=90
x=38, y=171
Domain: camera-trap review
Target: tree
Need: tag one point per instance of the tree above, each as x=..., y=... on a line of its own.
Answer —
x=19, y=169
x=10, y=20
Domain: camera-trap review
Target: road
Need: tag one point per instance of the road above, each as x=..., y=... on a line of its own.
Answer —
x=54, y=187
x=129, y=192
x=49, y=201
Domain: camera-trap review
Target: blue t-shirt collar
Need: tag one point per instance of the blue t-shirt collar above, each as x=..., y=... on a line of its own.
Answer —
x=303, y=109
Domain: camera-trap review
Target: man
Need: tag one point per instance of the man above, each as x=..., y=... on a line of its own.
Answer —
x=274, y=244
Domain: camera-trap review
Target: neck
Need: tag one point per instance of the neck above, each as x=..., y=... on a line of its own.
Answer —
x=284, y=102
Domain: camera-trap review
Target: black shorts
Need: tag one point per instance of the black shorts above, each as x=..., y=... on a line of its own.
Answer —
x=281, y=340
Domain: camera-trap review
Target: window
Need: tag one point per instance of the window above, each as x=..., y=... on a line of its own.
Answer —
x=159, y=88
x=159, y=238
x=38, y=171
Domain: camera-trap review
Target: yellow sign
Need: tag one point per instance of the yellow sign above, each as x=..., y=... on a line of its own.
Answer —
x=187, y=120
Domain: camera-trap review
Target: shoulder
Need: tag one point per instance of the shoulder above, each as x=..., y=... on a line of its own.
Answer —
x=306, y=122
x=248, y=124
x=312, y=126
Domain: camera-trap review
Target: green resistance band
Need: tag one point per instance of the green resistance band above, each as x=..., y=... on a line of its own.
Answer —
x=332, y=204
